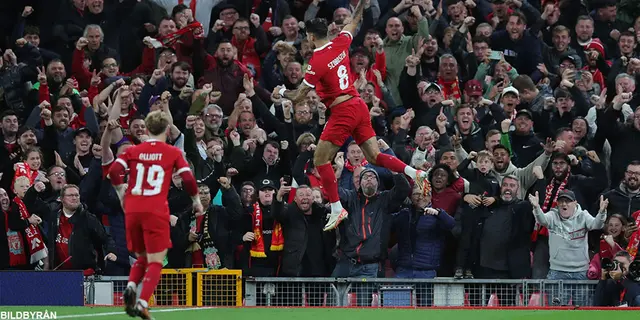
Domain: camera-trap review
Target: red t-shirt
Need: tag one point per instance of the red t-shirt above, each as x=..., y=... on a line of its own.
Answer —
x=62, y=242
x=329, y=69
x=150, y=165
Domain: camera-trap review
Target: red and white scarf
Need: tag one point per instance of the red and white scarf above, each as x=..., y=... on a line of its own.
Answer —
x=634, y=240
x=277, y=238
x=349, y=166
x=172, y=38
x=550, y=201
x=36, y=245
x=17, y=256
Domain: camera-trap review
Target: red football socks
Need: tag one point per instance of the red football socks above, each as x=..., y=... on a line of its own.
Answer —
x=329, y=182
x=151, y=279
x=390, y=162
x=137, y=270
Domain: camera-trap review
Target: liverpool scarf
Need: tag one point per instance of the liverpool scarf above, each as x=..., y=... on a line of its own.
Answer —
x=17, y=256
x=277, y=238
x=206, y=245
x=34, y=239
x=172, y=38
x=550, y=201
x=349, y=166
x=450, y=90
x=634, y=240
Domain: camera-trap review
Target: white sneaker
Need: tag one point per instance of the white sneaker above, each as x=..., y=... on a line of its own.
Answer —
x=335, y=219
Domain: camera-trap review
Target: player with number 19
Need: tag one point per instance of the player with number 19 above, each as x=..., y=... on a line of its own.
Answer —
x=328, y=73
x=151, y=165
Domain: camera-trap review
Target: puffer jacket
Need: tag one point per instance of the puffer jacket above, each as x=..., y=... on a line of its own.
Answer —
x=421, y=238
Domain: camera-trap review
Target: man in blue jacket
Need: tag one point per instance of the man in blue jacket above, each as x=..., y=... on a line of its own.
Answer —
x=521, y=49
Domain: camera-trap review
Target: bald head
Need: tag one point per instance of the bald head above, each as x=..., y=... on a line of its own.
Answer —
x=394, y=29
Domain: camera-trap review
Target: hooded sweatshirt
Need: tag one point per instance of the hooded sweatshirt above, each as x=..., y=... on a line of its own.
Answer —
x=568, y=240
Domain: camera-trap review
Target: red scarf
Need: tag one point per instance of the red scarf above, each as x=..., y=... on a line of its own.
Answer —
x=34, y=239
x=17, y=256
x=550, y=201
x=351, y=167
x=23, y=169
x=247, y=55
x=634, y=240
x=172, y=38
x=277, y=238
x=450, y=89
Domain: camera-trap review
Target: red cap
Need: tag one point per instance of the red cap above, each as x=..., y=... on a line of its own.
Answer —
x=473, y=88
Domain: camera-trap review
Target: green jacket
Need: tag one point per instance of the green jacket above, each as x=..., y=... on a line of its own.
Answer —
x=397, y=52
x=483, y=68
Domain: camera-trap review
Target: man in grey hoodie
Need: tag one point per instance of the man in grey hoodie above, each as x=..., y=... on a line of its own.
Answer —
x=568, y=226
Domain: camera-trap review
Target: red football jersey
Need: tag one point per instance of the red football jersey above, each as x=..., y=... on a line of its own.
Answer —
x=150, y=165
x=329, y=69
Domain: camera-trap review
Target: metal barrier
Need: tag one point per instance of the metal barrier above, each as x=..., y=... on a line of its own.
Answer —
x=441, y=292
x=177, y=287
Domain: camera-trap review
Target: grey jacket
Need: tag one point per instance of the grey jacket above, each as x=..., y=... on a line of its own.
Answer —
x=568, y=238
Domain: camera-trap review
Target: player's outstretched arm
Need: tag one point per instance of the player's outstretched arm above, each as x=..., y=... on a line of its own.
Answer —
x=357, y=17
x=296, y=95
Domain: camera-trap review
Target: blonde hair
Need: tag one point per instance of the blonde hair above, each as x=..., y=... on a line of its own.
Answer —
x=306, y=137
x=484, y=154
x=157, y=122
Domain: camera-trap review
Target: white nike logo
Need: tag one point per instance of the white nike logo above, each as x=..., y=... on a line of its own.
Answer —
x=524, y=147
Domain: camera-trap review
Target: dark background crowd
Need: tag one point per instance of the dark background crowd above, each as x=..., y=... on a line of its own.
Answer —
x=525, y=113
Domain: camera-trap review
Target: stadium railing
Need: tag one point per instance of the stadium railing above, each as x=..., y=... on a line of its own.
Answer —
x=441, y=292
x=177, y=287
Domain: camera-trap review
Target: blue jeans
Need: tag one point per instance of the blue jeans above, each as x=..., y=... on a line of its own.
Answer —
x=364, y=291
x=577, y=292
x=424, y=291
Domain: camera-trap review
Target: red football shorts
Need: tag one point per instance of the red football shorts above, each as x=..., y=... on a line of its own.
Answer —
x=349, y=118
x=147, y=232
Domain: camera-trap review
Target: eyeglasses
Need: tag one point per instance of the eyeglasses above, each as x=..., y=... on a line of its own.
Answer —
x=228, y=13
x=213, y=115
x=302, y=112
x=633, y=173
x=58, y=174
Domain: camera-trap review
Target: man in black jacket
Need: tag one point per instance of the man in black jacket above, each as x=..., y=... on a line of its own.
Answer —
x=625, y=198
x=76, y=236
x=307, y=249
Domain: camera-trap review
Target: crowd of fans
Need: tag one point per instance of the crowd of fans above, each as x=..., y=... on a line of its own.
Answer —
x=525, y=113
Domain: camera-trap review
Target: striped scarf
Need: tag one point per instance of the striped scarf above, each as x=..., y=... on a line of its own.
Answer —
x=550, y=201
x=277, y=238
x=634, y=240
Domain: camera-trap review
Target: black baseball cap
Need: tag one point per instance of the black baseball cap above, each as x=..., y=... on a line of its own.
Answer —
x=567, y=194
x=524, y=112
x=267, y=184
x=81, y=130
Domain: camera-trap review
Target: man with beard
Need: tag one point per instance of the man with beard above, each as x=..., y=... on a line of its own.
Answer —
x=212, y=116
x=520, y=48
x=622, y=137
x=263, y=238
x=361, y=253
x=426, y=99
x=584, y=35
x=309, y=249
x=627, y=44
x=8, y=134
x=176, y=84
x=568, y=226
x=503, y=167
x=271, y=162
x=584, y=188
x=226, y=75
x=355, y=158
x=625, y=197
x=398, y=46
x=500, y=233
